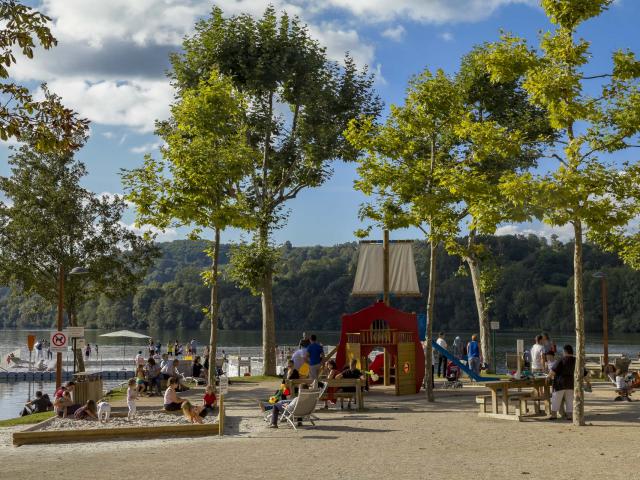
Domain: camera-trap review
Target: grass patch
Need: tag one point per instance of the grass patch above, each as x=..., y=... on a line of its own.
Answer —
x=117, y=393
x=254, y=379
x=26, y=420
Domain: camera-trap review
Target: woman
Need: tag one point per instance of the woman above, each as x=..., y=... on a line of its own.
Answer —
x=549, y=351
x=87, y=411
x=196, y=369
x=63, y=404
x=332, y=371
x=172, y=402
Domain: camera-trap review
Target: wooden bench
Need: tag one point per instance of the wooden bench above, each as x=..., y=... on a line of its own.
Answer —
x=355, y=383
x=483, y=401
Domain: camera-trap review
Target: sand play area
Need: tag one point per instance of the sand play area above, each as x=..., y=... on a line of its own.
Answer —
x=396, y=437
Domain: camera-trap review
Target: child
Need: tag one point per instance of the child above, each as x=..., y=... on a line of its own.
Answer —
x=140, y=381
x=192, y=413
x=209, y=401
x=132, y=395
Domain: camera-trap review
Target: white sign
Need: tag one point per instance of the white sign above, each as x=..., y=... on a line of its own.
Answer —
x=223, y=385
x=495, y=325
x=77, y=332
x=80, y=343
x=58, y=342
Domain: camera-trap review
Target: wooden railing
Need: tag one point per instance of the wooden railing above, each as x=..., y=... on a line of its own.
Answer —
x=380, y=337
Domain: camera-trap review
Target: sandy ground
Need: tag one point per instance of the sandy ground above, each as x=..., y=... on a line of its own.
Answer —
x=397, y=437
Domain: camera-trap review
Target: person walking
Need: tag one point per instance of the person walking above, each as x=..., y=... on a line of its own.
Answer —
x=562, y=375
x=442, y=360
x=474, y=358
x=315, y=353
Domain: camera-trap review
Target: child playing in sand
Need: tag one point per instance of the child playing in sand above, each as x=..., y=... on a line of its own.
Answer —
x=209, y=400
x=192, y=412
x=132, y=395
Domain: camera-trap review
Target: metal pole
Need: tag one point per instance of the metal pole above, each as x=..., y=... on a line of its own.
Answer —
x=59, y=323
x=495, y=363
x=605, y=323
x=74, y=354
x=385, y=268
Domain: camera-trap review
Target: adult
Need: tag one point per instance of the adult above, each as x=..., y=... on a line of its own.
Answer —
x=151, y=347
x=291, y=373
x=63, y=405
x=352, y=371
x=299, y=357
x=172, y=402
x=304, y=341
x=196, y=369
x=87, y=351
x=194, y=346
x=442, y=360
x=562, y=374
x=139, y=360
x=170, y=349
x=537, y=356
x=279, y=407
x=474, y=358
x=549, y=351
x=152, y=373
x=41, y=403
x=458, y=348
x=315, y=354
x=38, y=347
x=87, y=411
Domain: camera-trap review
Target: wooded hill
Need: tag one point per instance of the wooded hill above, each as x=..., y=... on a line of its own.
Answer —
x=312, y=290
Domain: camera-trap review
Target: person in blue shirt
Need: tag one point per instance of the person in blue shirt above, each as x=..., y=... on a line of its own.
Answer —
x=474, y=358
x=315, y=352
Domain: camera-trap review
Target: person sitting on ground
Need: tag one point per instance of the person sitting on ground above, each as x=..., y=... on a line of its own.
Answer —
x=152, y=372
x=41, y=403
x=196, y=369
x=172, y=402
x=69, y=386
x=537, y=356
x=193, y=413
x=209, y=401
x=352, y=371
x=63, y=406
x=86, y=412
x=562, y=374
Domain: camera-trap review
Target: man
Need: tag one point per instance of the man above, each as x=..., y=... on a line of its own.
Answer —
x=299, y=357
x=315, y=353
x=537, y=356
x=474, y=359
x=562, y=374
x=304, y=342
x=39, y=404
x=351, y=372
x=139, y=361
x=279, y=407
x=442, y=360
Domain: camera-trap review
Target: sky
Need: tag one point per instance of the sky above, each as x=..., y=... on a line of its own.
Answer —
x=112, y=57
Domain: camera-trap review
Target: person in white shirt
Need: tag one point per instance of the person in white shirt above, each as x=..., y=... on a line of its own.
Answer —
x=299, y=357
x=442, y=360
x=132, y=395
x=537, y=355
x=139, y=360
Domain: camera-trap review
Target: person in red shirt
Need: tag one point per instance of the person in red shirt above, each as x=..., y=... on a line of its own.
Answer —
x=209, y=401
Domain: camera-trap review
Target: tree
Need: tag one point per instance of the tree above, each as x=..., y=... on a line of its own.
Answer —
x=199, y=182
x=597, y=198
x=45, y=123
x=403, y=165
x=300, y=103
x=49, y=220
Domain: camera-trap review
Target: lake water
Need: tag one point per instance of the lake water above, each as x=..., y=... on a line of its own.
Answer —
x=111, y=353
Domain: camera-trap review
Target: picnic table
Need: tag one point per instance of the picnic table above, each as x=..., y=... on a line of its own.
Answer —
x=507, y=390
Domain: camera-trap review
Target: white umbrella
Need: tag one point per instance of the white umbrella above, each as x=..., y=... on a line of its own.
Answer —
x=125, y=334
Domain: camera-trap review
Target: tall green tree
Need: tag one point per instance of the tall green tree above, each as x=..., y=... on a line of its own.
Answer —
x=299, y=105
x=598, y=198
x=402, y=166
x=49, y=220
x=200, y=180
x=46, y=123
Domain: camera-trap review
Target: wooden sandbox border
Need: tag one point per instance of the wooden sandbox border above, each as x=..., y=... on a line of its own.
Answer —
x=33, y=435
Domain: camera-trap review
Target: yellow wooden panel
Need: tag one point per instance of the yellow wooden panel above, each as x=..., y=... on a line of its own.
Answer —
x=353, y=351
x=406, y=369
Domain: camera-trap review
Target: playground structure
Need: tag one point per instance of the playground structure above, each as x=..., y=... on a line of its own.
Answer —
x=396, y=332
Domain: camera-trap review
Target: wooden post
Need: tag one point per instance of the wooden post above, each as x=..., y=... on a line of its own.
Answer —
x=385, y=267
x=221, y=415
x=387, y=368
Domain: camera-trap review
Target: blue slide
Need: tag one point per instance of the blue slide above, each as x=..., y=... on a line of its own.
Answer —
x=445, y=353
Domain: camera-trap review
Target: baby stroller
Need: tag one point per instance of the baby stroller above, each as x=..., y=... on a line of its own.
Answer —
x=453, y=376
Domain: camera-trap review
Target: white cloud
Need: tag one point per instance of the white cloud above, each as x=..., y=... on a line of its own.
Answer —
x=425, y=11
x=394, y=33
x=338, y=40
x=166, y=235
x=564, y=233
x=108, y=135
x=135, y=104
x=446, y=36
x=146, y=148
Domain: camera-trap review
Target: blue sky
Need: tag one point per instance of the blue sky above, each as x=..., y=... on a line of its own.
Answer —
x=111, y=58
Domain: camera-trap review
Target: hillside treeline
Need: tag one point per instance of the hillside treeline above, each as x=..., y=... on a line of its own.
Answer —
x=533, y=291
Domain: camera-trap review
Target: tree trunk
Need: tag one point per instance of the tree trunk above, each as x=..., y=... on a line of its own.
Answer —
x=213, y=309
x=483, y=310
x=578, y=395
x=73, y=321
x=429, y=333
x=268, y=327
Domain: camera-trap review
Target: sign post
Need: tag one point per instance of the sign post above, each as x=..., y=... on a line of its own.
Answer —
x=59, y=342
x=494, y=326
x=31, y=341
x=223, y=386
